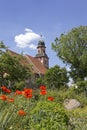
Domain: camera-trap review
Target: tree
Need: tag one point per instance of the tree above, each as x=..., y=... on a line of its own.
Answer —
x=2, y=48
x=71, y=48
x=56, y=77
x=11, y=69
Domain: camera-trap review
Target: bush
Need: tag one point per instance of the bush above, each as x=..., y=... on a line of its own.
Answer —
x=56, y=77
x=19, y=85
x=82, y=86
x=48, y=115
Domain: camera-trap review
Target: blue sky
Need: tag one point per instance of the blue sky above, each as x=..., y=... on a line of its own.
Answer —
x=23, y=21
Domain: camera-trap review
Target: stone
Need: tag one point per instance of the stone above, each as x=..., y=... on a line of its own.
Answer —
x=71, y=104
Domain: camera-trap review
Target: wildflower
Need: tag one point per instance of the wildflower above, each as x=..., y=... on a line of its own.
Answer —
x=43, y=92
x=18, y=92
x=50, y=98
x=3, y=88
x=3, y=97
x=27, y=93
x=21, y=112
x=28, y=90
x=6, y=89
x=42, y=87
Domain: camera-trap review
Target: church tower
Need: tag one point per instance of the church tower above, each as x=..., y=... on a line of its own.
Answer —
x=41, y=54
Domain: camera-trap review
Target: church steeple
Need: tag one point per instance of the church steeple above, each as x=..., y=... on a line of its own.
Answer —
x=41, y=54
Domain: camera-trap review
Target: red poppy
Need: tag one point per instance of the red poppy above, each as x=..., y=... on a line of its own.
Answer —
x=50, y=98
x=43, y=92
x=42, y=87
x=28, y=95
x=3, y=97
x=21, y=112
x=6, y=89
x=3, y=88
x=18, y=92
x=28, y=90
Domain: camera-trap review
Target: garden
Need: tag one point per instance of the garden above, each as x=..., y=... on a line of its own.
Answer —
x=41, y=109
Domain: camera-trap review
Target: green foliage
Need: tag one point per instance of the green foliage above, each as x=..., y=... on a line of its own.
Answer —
x=13, y=68
x=62, y=94
x=82, y=99
x=70, y=93
x=56, y=77
x=40, y=81
x=78, y=119
x=3, y=48
x=71, y=48
x=42, y=114
x=49, y=116
x=82, y=86
x=18, y=86
x=9, y=118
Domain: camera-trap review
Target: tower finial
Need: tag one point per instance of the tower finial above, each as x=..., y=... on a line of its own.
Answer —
x=41, y=37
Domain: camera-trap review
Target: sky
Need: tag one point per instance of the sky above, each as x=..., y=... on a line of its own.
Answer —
x=22, y=22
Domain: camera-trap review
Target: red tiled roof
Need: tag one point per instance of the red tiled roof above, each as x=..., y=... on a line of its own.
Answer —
x=37, y=66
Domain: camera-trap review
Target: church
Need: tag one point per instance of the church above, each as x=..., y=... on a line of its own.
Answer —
x=39, y=63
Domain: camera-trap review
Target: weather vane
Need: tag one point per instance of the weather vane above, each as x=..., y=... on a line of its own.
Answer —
x=41, y=37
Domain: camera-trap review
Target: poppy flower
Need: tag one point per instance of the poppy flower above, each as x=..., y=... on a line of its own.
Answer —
x=18, y=92
x=27, y=93
x=43, y=92
x=28, y=90
x=21, y=112
x=3, y=97
x=6, y=89
x=50, y=98
x=42, y=87
x=3, y=88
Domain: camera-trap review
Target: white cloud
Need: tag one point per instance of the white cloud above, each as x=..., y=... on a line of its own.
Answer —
x=28, y=30
x=27, y=39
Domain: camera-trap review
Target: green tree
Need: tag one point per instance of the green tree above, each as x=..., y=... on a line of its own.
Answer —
x=3, y=48
x=56, y=77
x=71, y=48
x=12, y=70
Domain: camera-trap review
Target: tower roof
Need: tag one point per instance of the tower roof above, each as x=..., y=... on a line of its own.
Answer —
x=41, y=43
x=41, y=55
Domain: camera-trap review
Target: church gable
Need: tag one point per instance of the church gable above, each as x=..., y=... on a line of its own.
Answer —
x=39, y=63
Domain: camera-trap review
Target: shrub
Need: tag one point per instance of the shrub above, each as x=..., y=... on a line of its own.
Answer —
x=19, y=85
x=48, y=115
x=82, y=86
